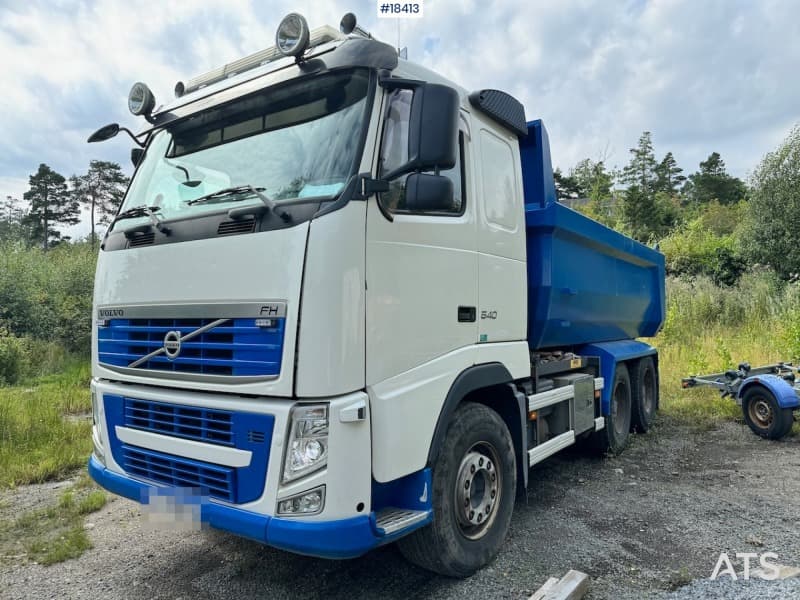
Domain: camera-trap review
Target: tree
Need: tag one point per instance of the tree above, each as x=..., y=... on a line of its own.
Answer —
x=645, y=212
x=594, y=183
x=102, y=189
x=712, y=182
x=12, y=221
x=641, y=171
x=773, y=224
x=668, y=175
x=51, y=204
x=566, y=186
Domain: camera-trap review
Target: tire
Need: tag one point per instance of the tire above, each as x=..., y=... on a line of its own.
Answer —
x=764, y=415
x=644, y=389
x=614, y=436
x=453, y=545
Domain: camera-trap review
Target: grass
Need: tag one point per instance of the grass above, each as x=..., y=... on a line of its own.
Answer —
x=711, y=329
x=56, y=533
x=37, y=442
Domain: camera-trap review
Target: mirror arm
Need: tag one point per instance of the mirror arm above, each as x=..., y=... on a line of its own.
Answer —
x=133, y=137
x=367, y=186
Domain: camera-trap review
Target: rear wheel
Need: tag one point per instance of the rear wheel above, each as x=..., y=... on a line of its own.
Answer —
x=614, y=436
x=644, y=389
x=764, y=415
x=474, y=484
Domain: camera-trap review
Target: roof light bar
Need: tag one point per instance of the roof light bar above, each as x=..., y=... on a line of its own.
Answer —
x=318, y=37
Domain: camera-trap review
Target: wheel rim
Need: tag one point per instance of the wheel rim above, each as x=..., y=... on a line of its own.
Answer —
x=619, y=408
x=760, y=411
x=478, y=490
x=648, y=393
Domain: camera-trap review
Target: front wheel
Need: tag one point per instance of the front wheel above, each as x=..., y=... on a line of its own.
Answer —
x=764, y=415
x=474, y=484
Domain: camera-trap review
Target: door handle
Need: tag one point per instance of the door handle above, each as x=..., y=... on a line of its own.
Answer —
x=466, y=314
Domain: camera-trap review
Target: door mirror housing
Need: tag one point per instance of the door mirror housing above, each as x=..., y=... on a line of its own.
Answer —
x=104, y=133
x=429, y=193
x=432, y=128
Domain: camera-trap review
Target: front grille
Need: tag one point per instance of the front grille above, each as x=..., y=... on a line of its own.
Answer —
x=205, y=425
x=236, y=227
x=236, y=347
x=215, y=480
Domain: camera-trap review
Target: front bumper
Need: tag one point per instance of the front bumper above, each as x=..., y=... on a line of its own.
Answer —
x=343, y=538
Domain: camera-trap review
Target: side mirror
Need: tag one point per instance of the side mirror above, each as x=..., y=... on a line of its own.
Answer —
x=104, y=133
x=136, y=156
x=433, y=128
x=429, y=193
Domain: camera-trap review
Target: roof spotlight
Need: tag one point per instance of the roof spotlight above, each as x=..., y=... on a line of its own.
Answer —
x=141, y=100
x=292, y=37
x=348, y=24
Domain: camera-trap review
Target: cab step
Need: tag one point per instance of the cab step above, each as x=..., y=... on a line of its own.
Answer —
x=391, y=520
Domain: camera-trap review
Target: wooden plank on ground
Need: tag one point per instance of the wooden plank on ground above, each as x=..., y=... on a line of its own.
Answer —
x=573, y=586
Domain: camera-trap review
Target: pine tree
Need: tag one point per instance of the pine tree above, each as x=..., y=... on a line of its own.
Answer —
x=101, y=188
x=668, y=175
x=51, y=205
x=641, y=171
x=712, y=182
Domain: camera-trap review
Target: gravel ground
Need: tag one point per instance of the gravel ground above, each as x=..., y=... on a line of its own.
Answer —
x=641, y=525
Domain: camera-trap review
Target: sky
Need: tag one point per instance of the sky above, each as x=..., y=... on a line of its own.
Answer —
x=701, y=75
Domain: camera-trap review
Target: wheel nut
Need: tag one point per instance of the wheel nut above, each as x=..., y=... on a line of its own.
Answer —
x=488, y=508
x=488, y=465
x=480, y=462
x=466, y=502
x=472, y=468
x=466, y=484
x=494, y=493
x=494, y=477
x=480, y=517
x=471, y=515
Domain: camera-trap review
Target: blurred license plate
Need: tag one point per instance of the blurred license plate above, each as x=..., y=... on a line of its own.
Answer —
x=173, y=508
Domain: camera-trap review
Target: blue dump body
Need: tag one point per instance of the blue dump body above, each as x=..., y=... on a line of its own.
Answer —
x=586, y=282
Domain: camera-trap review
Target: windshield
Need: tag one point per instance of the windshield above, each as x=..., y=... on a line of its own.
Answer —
x=294, y=142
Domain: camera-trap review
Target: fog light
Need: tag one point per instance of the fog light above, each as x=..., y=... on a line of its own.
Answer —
x=308, y=503
x=141, y=100
x=292, y=37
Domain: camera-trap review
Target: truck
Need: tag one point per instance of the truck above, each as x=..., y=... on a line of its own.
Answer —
x=341, y=307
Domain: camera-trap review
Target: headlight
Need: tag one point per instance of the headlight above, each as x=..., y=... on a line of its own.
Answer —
x=307, y=445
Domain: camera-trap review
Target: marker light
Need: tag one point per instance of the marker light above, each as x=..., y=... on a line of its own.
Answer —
x=307, y=503
x=141, y=100
x=292, y=37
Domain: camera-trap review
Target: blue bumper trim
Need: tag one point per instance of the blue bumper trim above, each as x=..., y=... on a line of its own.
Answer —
x=344, y=538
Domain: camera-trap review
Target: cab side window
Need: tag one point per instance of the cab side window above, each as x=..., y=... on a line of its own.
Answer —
x=394, y=154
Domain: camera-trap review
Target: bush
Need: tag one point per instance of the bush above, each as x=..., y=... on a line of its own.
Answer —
x=13, y=362
x=697, y=250
x=48, y=296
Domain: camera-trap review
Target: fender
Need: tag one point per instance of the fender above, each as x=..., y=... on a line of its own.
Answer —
x=783, y=392
x=469, y=380
x=611, y=353
x=473, y=379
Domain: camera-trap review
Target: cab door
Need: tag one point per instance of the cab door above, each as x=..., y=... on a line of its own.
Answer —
x=422, y=267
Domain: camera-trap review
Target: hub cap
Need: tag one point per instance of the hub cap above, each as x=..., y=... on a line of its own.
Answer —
x=478, y=490
x=761, y=412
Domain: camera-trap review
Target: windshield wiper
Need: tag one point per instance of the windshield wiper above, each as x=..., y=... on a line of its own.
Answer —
x=244, y=191
x=142, y=211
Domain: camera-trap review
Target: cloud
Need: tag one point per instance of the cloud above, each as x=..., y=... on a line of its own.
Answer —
x=701, y=76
